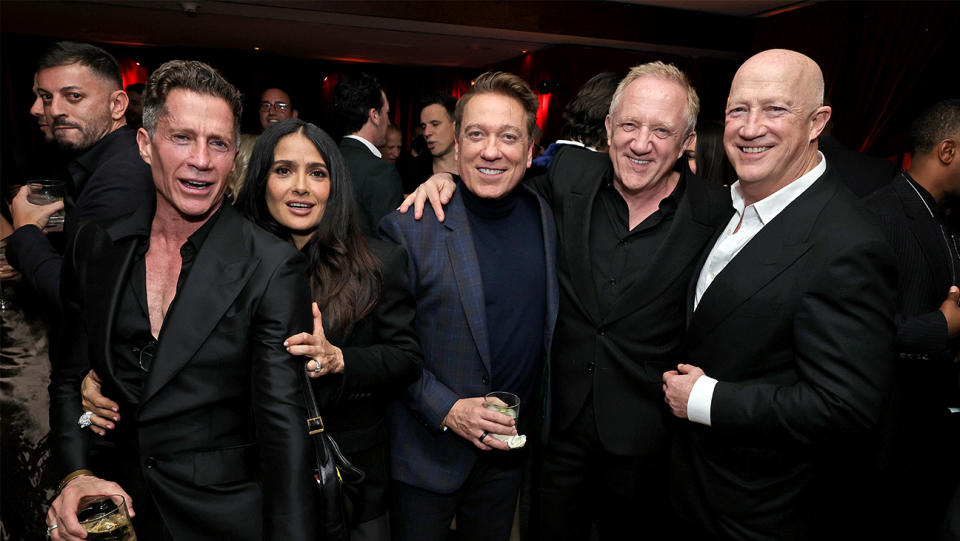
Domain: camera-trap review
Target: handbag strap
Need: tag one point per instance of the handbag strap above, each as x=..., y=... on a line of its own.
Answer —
x=348, y=472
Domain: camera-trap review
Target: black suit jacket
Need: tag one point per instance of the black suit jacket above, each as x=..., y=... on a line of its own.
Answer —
x=381, y=356
x=620, y=357
x=219, y=434
x=110, y=179
x=377, y=186
x=920, y=437
x=798, y=329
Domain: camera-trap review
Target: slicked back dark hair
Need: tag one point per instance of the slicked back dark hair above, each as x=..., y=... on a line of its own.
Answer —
x=448, y=102
x=586, y=113
x=100, y=62
x=505, y=84
x=353, y=97
x=187, y=75
x=938, y=122
x=344, y=274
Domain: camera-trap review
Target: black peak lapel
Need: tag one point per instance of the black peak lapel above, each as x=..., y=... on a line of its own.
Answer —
x=775, y=248
x=219, y=273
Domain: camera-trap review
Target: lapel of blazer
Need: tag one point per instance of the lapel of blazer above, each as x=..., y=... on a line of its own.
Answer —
x=466, y=269
x=220, y=271
x=777, y=246
x=549, y=229
x=577, y=214
x=925, y=229
x=690, y=229
x=108, y=278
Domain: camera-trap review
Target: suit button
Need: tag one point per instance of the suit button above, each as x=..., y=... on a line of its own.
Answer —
x=150, y=462
x=603, y=332
x=590, y=368
x=485, y=379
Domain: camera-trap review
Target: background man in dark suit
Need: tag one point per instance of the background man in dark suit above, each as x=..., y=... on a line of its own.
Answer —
x=364, y=114
x=182, y=309
x=486, y=292
x=923, y=437
x=80, y=91
x=792, y=316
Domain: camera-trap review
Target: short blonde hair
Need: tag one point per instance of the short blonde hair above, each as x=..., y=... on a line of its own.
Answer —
x=662, y=71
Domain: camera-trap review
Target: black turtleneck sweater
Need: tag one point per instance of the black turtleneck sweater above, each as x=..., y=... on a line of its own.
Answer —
x=508, y=238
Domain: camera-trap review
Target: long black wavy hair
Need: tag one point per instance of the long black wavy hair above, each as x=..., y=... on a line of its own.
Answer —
x=345, y=276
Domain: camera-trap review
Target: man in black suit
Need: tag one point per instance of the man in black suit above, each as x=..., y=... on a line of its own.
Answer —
x=631, y=225
x=182, y=308
x=364, y=114
x=923, y=437
x=791, y=325
x=80, y=89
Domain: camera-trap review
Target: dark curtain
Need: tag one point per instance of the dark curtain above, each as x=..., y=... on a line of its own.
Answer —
x=871, y=53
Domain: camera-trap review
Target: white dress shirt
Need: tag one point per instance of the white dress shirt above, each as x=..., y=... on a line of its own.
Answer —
x=368, y=144
x=750, y=220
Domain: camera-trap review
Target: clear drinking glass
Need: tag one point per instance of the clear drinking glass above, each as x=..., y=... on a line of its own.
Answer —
x=45, y=192
x=505, y=403
x=105, y=518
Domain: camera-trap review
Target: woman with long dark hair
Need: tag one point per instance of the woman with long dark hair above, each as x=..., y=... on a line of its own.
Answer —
x=365, y=351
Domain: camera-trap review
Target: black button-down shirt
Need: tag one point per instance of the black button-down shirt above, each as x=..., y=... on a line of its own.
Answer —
x=620, y=255
x=133, y=346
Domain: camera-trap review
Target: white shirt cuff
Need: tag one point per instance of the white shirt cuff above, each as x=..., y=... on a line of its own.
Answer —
x=701, y=396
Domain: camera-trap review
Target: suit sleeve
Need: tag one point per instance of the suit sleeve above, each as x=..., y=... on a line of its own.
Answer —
x=428, y=397
x=843, y=350
x=289, y=496
x=394, y=359
x=69, y=441
x=922, y=333
x=30, y=252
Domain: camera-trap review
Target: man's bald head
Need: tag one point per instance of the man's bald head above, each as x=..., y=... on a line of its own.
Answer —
x=774, y=115
x=799, y=70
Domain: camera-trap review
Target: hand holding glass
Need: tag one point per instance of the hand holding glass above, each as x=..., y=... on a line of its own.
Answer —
x=505, y=403
x=45, y=192
x=105, y=518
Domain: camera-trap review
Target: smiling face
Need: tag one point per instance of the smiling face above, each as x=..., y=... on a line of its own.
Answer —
x=494, y=147
x=81, y=107
x=438, y=129
x=773, y=118
x=275, y=107
x=646, y=134
x=191, y=153
x=298, y=186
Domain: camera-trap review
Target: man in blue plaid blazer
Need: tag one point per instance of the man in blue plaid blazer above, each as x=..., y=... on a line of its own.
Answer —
x=486, y=289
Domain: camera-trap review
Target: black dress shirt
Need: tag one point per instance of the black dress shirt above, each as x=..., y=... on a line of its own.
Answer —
x=620, y=255
x=134, y=345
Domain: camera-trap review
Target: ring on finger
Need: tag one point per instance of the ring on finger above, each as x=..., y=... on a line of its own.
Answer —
x=319, y=367
x=484, y=435
x=52, y=527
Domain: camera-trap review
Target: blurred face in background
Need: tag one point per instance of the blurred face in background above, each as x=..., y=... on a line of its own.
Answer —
x=275, y=107
x=438, y=129
x=391, y=149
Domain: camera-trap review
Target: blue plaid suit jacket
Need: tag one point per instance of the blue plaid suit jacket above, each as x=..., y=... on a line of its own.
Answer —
x=451, y=323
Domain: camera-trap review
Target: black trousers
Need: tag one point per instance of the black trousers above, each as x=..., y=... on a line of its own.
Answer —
x=484, y=505
x=582, y=484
